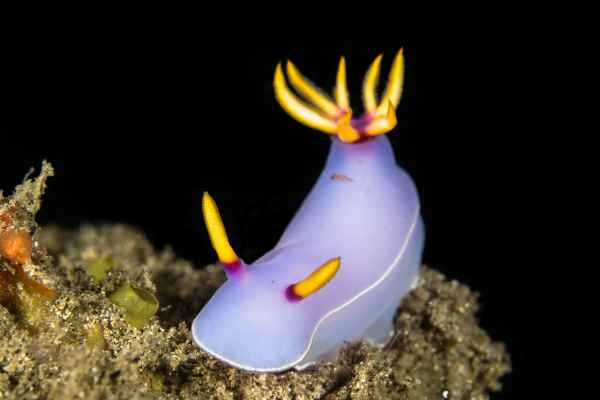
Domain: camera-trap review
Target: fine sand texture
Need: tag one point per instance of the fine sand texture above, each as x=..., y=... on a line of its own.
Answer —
x=64, y=334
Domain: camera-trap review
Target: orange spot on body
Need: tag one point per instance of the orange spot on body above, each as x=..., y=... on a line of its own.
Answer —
x=341, y=178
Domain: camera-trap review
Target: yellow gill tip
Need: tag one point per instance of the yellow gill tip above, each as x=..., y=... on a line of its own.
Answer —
x=296, y=108
x=385, y=124
x=395, y=84
x=342, y=96
x=310, y=91
x=370, y=85
x=335, y=117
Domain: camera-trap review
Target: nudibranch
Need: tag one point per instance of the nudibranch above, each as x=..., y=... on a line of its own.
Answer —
x=350, y=254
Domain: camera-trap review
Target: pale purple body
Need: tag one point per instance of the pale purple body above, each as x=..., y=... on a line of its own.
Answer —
x=365, y=209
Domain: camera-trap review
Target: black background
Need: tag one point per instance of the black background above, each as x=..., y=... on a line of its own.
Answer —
x=137, y=128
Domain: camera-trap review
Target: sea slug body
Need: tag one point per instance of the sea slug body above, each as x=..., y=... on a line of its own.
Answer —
x=350, y=254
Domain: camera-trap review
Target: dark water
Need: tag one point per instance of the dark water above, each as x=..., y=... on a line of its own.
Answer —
x=137, y=130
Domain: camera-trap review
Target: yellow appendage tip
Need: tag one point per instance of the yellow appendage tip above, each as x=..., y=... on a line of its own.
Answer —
x=216, y=230
x=384, y=124
x=395, y=83
x=318, y=278
x=312, y=93
x=296, y=108
x=370, y=85
x=341, y=87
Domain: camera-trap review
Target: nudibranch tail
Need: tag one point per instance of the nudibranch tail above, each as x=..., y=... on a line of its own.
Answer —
x=218, y=236
x=335, y=118
x=315, y=281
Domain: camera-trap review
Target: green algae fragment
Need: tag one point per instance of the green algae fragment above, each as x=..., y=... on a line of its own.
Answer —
x=99, y=267
x=439, y=351
x=139, y=304
x=95, y=337
x=32, y=309
x=156, y=381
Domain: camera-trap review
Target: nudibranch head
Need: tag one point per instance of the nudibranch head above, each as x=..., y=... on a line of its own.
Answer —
x=336, y=117
x=254, y=321
x=345, y=261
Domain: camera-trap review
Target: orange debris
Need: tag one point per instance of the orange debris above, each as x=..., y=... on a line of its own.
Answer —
x=15, y=246
x=6, y=218
x=7, y=287
x=33, y=286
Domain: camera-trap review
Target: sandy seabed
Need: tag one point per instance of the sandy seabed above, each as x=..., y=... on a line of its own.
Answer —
x=81, y=345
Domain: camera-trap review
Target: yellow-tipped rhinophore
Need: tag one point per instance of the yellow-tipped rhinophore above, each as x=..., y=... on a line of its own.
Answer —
x=394, y=86
x=297, y=109
x=336, y=117
x=311, y=92
x=342, y=97
x=317, y=279
x=216, y=231
x=370, y=85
